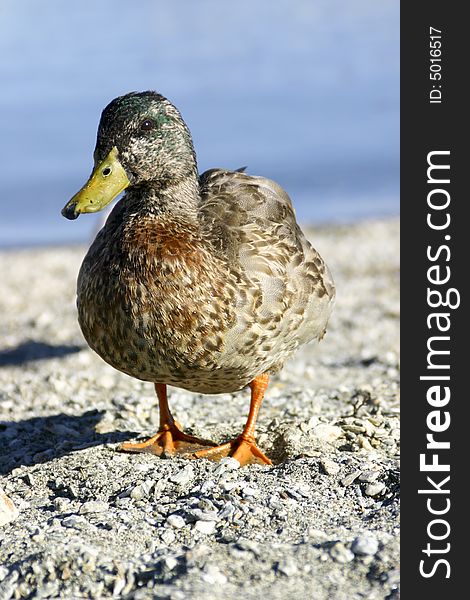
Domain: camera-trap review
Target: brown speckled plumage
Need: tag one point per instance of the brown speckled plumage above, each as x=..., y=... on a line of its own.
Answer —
x=201, y=283
x=204, y=304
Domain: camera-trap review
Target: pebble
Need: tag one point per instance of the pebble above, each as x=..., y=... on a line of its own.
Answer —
x=245, y=545
x=369, y=428
x=226, y=464
x=329, y=466
x=207, y=486
x=170, y=562
x=393, y=577
x=380, y=432
x=351, y=478
x=366, y=544
x=8, y=511
x=213, y=576
x=316, y=536
x=176, y=521
x=354, y=428
x=340, y=553
x=183, y=476
x=142, y=490
x=105, y=426
x=364, y=443
x=369, y=476
x=227, y=511
x=206, y=527
x=374, y=489
x=228, y=486
x=119, y=585
x=168, y=536
x=93, y=506
x=287, y=567
x=62, y=504
x=73, y=521
x=327, y=433
x=313, y=422
x=228, y=537
x=196, y=514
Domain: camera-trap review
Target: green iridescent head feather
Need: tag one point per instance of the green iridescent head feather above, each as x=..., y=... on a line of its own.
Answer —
x=142, y=140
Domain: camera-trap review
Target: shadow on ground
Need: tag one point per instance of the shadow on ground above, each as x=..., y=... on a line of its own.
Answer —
x=41, y=439
x=31, y=350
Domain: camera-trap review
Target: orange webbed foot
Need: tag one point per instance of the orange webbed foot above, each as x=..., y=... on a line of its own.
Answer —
x=168, y=441
x=246, y=452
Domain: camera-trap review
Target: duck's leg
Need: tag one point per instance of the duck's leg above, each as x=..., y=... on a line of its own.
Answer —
x=244, y=448
x=170, y=438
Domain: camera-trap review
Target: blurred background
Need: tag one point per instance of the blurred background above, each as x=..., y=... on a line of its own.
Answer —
x=305, y=92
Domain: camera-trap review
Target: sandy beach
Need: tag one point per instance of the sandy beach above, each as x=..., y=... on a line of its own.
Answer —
x=90, y=522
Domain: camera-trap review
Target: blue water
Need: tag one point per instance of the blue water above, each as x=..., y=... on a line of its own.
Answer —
x=304, y=92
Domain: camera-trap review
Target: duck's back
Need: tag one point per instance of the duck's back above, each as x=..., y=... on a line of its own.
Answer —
x=286, y=291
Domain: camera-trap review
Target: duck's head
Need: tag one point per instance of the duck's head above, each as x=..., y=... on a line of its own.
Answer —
x=142, y=140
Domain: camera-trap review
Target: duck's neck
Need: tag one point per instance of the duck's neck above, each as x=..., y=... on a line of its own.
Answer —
x=179, y=200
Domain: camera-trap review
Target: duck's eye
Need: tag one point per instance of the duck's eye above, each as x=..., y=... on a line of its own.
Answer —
x=147, y=125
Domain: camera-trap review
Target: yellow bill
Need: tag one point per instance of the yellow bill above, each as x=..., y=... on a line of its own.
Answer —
x=107, y=181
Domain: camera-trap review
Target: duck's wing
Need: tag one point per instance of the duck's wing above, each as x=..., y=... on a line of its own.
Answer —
x=252, y=223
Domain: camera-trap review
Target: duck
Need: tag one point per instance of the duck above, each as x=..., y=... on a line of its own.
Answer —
x=200, y=282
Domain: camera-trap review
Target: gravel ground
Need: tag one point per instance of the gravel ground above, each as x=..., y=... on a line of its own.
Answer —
x=85, y=521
